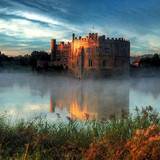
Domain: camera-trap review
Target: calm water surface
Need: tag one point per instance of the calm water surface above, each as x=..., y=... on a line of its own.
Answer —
x=25, y=95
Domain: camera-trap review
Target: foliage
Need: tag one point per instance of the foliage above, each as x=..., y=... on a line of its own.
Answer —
x=24, y=60
x=145, y=144
x=124, y=137
x=147, y=61
x=38, y=55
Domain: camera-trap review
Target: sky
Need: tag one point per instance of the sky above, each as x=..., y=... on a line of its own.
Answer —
x=28, y=25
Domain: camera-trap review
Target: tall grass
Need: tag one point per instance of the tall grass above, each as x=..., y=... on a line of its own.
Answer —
x=90, y=139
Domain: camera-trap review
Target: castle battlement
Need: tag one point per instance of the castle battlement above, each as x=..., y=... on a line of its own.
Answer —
x=95, y=36
x=62, y=44
x=92, y=52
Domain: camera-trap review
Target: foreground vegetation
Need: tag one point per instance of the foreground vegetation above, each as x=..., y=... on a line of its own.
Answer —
x=124, y=137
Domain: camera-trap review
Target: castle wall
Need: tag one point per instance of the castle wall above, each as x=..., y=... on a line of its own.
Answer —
x=53, y=49
x=89, y=44
x=63, y=51
x=94, y=54
x=116, y=51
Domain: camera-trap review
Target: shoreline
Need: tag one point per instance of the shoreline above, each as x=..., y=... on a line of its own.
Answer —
x=99, y=139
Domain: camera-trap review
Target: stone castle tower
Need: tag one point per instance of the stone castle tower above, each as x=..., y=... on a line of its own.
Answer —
x=92, y=55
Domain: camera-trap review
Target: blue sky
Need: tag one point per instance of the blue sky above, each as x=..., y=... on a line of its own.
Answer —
x=27, y=25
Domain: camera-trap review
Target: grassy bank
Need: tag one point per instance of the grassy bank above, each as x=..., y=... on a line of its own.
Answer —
x=128, y=137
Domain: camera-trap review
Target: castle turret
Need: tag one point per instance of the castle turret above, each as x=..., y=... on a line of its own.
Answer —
x=61, y=43
x=53, y=49
x=95, y=36
x=73, y=36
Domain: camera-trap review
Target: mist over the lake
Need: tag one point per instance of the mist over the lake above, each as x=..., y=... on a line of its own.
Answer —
x=30, y=94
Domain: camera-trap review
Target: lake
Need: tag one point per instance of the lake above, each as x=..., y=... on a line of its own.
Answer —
x=26, y=95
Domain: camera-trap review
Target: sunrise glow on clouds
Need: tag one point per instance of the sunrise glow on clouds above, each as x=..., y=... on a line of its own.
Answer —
x=30, y=24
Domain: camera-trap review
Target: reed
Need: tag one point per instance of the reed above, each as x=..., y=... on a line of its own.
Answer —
x=110, y=138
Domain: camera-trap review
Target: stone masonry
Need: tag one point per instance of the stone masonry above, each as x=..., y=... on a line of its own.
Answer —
x=92, y=55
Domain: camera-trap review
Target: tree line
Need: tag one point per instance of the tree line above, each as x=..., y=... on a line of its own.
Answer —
x=25, y=60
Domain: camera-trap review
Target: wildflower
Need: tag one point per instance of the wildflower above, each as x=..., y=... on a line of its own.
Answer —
x=129, y=124
x=135, y=138
x=151, y=128
x=123, y=114
x=146, y=133
x=28, y=131
x=102, y=120
x=152, y=139
x=112, y=116
x=157, y=121
x=138, y=118
x=138, y=132
x=149, y=108
x=137, y=109
x=27, y=146
x=58, y=115
x=69, y=119
x=150, y=118
x=87, y=116
x=145, y=113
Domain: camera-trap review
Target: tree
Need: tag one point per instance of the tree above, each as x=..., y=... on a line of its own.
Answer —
x=38, y=55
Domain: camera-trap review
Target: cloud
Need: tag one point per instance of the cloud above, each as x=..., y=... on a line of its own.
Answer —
x=26, y=26
x=23, y=28
x=41, y=20
x=29, y=16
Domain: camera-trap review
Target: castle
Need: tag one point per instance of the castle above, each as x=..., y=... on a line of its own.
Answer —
x=92, y=55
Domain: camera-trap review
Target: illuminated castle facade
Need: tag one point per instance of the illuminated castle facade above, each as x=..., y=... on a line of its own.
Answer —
x=92, y=55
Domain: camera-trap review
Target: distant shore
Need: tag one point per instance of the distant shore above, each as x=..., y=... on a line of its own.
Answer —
x=144, y=71
x=137, y=72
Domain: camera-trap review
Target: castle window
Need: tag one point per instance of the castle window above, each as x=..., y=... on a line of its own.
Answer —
x=87, y=50
x=58, y=52
x=122, y=64
x=107, y=50
x=77, y=63
x=90, y=63
x=97, y=49
x=104, y=63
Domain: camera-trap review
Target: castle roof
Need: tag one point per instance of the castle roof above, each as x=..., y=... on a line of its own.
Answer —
x=137, y=60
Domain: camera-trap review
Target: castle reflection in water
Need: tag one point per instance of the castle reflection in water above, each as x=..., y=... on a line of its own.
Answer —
x=98, y=100
x=32, y=94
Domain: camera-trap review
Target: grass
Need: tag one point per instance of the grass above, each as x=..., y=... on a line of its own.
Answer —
x=91, y=139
